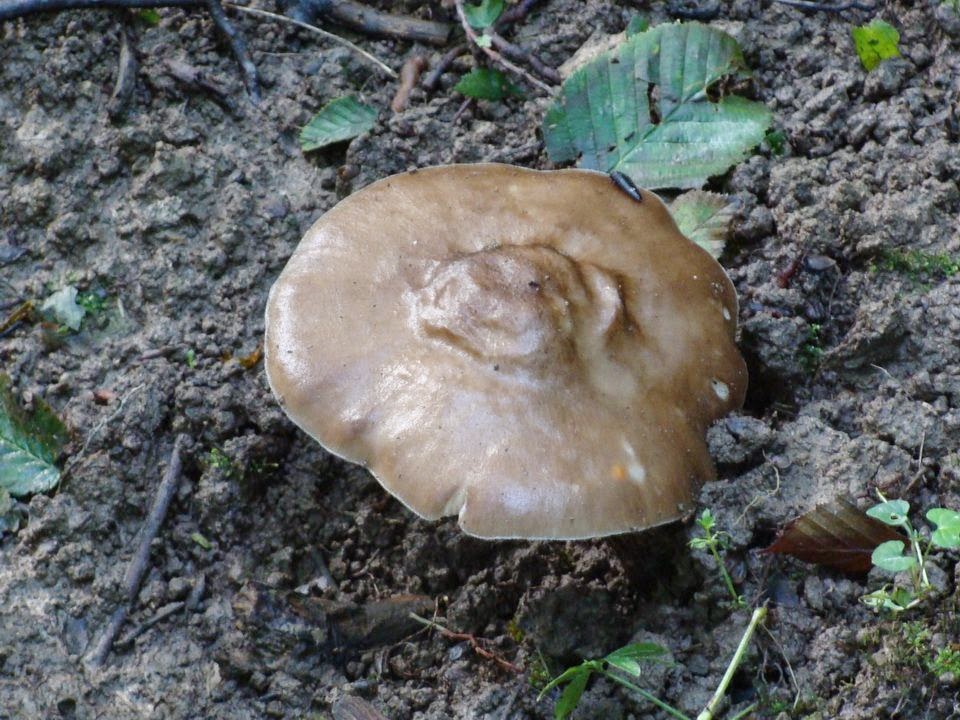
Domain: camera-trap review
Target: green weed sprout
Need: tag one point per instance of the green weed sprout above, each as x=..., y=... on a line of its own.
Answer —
x=714, y=542
x=627, y=661
x=896, y=556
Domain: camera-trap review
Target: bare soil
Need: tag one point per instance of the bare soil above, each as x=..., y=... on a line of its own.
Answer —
x=182, y=212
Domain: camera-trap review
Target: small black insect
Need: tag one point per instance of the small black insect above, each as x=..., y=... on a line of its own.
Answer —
x=626, y=184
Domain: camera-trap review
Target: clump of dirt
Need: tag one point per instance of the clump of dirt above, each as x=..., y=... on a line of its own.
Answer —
x=296, y=571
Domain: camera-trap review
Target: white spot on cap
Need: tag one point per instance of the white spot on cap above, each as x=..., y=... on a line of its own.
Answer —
x=721, y=389
x=726, y=313
x=635, y=470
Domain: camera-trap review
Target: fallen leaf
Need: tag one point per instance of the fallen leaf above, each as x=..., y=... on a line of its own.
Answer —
x=836, y=534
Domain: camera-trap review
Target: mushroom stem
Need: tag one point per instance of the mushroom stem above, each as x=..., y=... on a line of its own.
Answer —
x=649, y=556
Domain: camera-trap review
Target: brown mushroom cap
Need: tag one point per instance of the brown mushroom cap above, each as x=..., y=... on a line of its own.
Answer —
x=536, y=352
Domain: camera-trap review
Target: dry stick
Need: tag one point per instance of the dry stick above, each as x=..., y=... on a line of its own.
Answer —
x=473, y=640
x=141, y=558
x=433, y=77
x=827, y=7
x=494, y=55
x=312, y=28
x=346, y=12
x=238, y=46
x=519, y=54
x=373, y=22
x=409, y=74
x=162, y=614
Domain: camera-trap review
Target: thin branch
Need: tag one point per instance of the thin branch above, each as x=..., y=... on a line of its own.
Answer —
x=409, y=74
x=433, y=77
x=519, y=54
x=368, y=20
x=494, y=55
x=314, y=29
x=141, y=558
x=238, y=46
x=828, y=7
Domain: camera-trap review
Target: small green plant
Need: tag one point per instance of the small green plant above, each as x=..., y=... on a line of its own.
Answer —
x=628, y=661
x=715, y=541
x=911, y=556
x=811, y=352
x=876, y=42
x=218, y=459
x=917, y=264
x=190, y=358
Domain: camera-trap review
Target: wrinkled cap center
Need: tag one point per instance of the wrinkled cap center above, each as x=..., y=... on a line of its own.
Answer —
x=519, y=305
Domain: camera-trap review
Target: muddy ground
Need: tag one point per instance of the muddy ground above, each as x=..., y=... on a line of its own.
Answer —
x=180, y=214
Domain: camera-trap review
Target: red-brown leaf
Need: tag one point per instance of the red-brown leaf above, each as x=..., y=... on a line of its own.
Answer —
x=835, y=534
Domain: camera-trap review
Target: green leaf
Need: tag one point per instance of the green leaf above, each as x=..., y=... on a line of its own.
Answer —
x=947, y=534
x=486, y=84
x=566, y=676
x=30, y=443
x=891, y=512
x=342, y=119
x=571, y=696
x=889, y=556
x=643, y=108
x=875, y=42
x=483, y=15
x=62, y=307
x=705, y=218
x=629, y=657
x=201, y=541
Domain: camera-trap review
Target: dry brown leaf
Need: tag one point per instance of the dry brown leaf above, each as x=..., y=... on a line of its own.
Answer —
x=835, y=534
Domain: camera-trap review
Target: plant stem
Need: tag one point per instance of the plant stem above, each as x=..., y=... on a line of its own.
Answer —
x=758, y=615
x=746, y=711
x=669, y=709
x=723, y=571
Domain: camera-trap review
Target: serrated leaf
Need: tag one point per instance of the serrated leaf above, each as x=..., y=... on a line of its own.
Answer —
x=836, y=534
x=30, y=443
x=486, y=84
x=875, y=42
x=889, y=556
x=571, y=696
x=63, y=308
x=483, y=15
x=891, y=512
x=629, y=657
x=947, y=534
x=643, y=108
x=705, y=218
x=342, y=119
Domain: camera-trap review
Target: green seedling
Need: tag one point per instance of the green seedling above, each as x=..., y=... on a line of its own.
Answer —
x=917, y=264
x=715, y=541
x=898, y=556
x=190, y=358
x=627, y=662
x=224, y=463
x=876, y=42
x=811, y=352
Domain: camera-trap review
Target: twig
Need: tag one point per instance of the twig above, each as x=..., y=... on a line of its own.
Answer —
x=238, y=46
x=161, y=615
x=126, y=74
x=366, y=19
x=515, y=13
x=409, y=74
x=828, y=7
x=475, y=642
x=494, y=55
x=519, y=54
x=141, y=558
x=314, y=29
x=433, y=77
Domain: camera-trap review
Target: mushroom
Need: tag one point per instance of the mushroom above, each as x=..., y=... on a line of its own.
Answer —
x=537, y=352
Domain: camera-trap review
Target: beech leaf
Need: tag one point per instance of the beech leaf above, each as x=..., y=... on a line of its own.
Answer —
x=836, y=534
